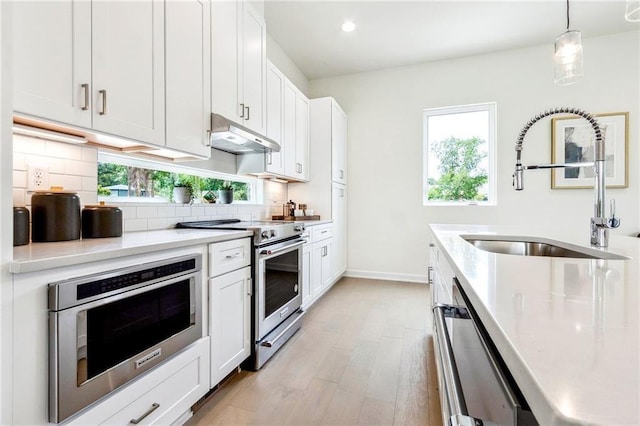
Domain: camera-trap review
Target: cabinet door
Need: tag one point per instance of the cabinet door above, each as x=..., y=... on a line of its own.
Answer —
x=230, y=313
x=302, y=137
x=226, y=70
x=327, y=263
x=128, y=69
x=339, y=216
x=52, y=60
x=307, y=294
x=275, y=91
x=254, y=69
x=187, y=57
x=338, y=144
x=289, y=129
x=316, y=269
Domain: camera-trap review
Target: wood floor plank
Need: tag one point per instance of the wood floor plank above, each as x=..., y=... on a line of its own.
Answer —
x=363, y=356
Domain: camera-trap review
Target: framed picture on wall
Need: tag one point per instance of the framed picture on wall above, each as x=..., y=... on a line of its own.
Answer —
x=572, y=141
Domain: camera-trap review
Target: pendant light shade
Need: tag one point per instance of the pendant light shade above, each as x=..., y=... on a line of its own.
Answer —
x=632, y=12
x=568, y=58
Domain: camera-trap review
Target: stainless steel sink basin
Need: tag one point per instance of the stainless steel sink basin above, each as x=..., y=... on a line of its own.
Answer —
x=529, y=246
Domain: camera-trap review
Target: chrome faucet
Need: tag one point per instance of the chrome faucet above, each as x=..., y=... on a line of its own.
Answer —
x=600, y=224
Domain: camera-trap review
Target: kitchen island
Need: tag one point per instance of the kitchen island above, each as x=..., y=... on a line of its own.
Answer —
x=566, y=328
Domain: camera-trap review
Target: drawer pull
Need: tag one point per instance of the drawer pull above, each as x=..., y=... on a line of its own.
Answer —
x=233, y=256
x=153, y=408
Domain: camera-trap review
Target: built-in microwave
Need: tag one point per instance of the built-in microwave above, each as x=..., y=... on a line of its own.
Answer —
x=108, y=328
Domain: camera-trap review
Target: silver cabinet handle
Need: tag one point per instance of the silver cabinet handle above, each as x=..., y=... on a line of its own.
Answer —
x=341, y=174
x=241, y=110
x=85, y=89
x=248, y=113
x=429, y=277
x=249, y=287
x=207, y=141
x=299, y=167
x=153, y=408
x=233, y=256
x=103, y=93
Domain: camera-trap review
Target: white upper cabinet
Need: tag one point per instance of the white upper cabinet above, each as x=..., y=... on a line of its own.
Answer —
x=52, y=60
x=302, y=137
x=338, y=144
x=95, y=64
x=239, y=63
x=128, y=69
x=295, y=133
x=188, y=76
x=275, y=92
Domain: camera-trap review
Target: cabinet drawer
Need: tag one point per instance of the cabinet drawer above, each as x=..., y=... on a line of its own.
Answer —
x=321, y=232
x=174, y=386
x=229, y=256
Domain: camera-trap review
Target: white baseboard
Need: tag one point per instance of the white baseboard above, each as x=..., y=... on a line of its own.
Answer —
x=389, y=276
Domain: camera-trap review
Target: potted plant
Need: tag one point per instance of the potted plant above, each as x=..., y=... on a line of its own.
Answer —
x=225, y=193
x=182, y=192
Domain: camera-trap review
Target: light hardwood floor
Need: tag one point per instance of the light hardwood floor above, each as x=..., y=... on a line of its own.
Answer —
x=363, y=357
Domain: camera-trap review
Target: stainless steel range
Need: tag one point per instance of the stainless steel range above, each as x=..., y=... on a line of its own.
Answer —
x=277, y=278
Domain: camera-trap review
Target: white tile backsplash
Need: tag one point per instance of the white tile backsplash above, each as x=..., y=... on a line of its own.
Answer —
x=74, y=167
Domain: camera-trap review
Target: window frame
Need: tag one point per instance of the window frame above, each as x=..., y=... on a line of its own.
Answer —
x=256, y=188
x=491, y=109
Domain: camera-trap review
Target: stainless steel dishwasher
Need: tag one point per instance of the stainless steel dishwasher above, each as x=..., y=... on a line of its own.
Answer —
x=475, y=386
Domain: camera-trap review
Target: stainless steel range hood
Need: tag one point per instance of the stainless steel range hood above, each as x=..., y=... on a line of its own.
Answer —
x=232, y=137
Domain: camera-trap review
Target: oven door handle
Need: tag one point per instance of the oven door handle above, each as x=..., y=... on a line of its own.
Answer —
x=288, y=247
x=459, y=415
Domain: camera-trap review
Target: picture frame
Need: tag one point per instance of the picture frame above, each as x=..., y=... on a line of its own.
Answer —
x=572, y=141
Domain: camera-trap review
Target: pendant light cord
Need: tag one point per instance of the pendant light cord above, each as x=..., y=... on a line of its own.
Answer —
x=567, y=15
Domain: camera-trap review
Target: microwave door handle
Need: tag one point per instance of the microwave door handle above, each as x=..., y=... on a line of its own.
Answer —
x=453, y=388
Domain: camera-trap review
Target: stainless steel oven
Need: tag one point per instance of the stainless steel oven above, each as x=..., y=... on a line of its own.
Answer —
x=476, y=387
x=108, y=328
x=278, y=280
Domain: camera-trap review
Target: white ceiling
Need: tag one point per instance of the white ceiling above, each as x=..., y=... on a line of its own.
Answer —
x=396, y=33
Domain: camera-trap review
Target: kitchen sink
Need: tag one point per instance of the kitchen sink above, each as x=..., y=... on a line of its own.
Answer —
x=531, y=246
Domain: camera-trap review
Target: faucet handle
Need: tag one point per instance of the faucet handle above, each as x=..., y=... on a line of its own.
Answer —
x=613, y=221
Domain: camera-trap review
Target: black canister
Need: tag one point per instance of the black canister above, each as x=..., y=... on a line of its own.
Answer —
x=101, y=221
x=20, y=226
x=56, y=216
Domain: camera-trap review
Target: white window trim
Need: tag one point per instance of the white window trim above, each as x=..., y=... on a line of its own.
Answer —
x=256, y=185
x=491, y=108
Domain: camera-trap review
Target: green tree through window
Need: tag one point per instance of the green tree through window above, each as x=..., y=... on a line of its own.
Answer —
x=460, y=175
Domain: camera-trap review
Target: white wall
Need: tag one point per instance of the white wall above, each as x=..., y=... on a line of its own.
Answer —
x=387, y=221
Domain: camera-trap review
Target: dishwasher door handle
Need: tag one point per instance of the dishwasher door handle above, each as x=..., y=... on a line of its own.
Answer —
x=459, y=415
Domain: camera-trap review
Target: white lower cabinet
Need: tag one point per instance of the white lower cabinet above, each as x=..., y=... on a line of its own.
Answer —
x=230, y=296
x=317, y=258
x=230, y=290
x=162, y=396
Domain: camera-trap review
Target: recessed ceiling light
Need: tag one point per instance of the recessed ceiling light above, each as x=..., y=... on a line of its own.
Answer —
x=348, y=26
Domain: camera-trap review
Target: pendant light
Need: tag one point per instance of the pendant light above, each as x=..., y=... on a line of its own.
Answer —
x=568, y=56
x=632, y=11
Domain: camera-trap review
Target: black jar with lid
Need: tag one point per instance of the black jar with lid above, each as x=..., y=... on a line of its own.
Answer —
x=55, y=216
x=101, y=221
x=20, y=226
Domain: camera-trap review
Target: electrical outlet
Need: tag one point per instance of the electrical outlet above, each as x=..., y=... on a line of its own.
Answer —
x=37, y=177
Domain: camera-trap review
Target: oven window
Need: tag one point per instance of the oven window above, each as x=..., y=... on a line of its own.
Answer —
x=281, y=281
x=119, y=330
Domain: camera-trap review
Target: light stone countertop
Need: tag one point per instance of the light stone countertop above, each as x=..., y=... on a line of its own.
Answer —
x=567, y=328
x=41, y=256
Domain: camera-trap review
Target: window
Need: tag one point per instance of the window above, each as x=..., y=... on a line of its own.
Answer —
x=126, y=179
x=459, y=155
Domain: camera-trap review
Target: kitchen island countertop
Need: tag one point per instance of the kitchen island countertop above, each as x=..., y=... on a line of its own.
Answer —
x=567, y=328
x=41, y=256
